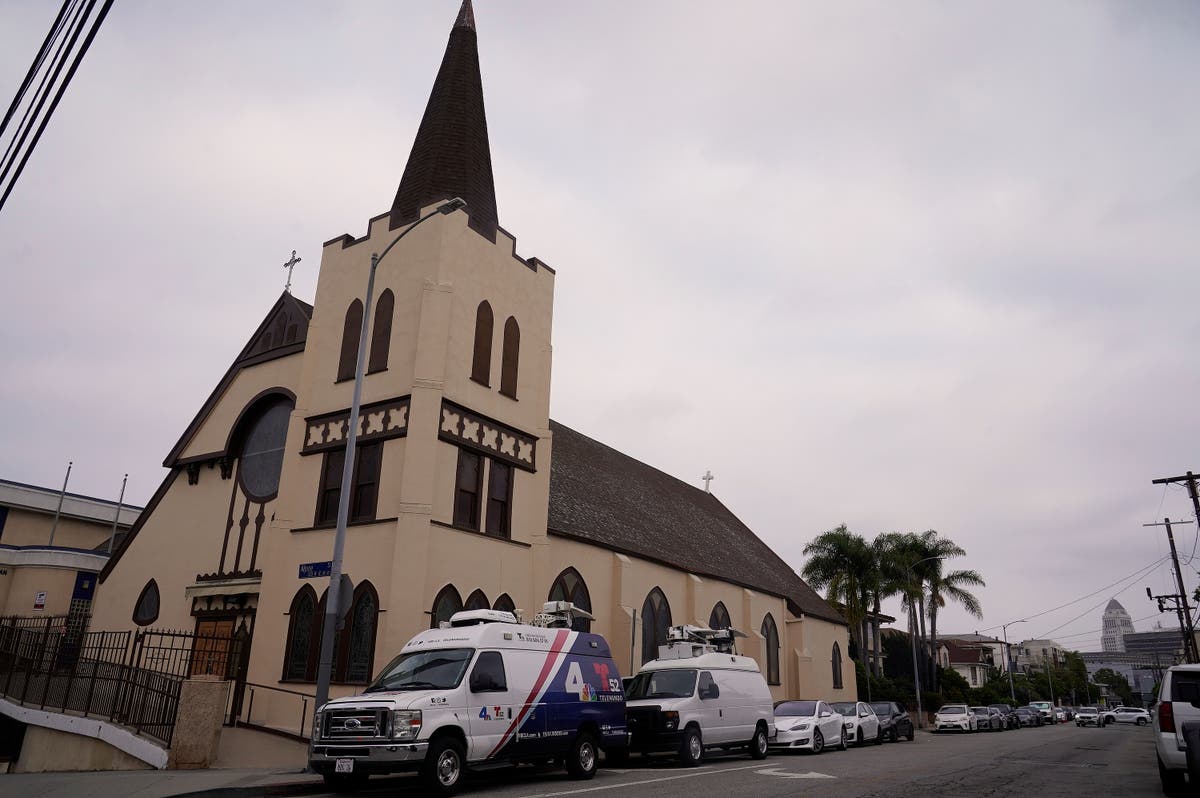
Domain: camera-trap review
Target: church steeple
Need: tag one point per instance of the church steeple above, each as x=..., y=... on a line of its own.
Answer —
x=450, y=156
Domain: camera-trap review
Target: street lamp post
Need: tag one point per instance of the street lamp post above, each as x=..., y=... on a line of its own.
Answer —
x=912, y=614
x=1012, y=691
x=332, y=608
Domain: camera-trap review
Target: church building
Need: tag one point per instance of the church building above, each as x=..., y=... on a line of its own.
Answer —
x=465, y=493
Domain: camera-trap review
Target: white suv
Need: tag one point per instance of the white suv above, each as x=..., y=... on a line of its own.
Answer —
x=1178, y=703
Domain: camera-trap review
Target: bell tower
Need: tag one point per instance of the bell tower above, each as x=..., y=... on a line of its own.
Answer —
x=452, y=475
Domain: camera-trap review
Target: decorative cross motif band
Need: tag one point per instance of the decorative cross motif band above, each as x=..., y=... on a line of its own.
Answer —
x=377, y=421
x=467, y=428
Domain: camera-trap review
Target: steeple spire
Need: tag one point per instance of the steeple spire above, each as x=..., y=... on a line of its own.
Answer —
x=450, y=156
x=466, y=16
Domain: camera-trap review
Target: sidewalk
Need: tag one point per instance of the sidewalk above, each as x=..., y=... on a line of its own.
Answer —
x=248, y=763
x=159, y=783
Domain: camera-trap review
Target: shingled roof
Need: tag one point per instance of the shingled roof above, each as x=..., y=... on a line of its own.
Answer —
x=601, y=496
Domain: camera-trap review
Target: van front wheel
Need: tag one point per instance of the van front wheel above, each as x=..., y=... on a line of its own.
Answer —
x=691, y=750
x=584, y=757
x=758, y=744
x=444, y=766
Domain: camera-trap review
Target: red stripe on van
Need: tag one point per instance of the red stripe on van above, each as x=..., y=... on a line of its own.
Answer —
x=547, y=666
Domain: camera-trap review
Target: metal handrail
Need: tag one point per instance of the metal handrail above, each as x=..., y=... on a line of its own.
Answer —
x=304, y=716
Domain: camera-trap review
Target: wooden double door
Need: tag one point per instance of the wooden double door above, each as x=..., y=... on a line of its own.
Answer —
x=222, y=648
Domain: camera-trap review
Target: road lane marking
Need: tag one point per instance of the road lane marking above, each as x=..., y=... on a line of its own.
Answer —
x=787, y=774
x=692, y=774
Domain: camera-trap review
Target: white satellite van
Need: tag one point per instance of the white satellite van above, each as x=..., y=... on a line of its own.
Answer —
x=483, y=691
x=699, y=695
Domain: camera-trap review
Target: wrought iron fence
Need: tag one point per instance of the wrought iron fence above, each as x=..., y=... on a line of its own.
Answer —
x=132, y=679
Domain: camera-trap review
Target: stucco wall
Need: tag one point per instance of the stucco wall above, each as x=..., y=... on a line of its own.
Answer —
x=185, y=534
x=25, y=528
x=49, y=750
x=18, y=587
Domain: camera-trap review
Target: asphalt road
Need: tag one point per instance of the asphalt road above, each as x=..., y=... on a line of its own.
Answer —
x=1061, y=760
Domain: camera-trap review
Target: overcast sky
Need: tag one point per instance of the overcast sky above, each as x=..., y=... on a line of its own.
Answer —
x=896, y=265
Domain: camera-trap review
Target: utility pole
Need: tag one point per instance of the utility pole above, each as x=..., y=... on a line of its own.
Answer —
x=1190, y=480
x=1173, y=600
x=1008, y=662
x=1189, y=632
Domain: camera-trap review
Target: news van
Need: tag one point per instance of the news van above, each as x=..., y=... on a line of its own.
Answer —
x=699, y=694
x=483, y=691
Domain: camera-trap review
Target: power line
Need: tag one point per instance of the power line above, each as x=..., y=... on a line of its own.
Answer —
x=1135, y=575
x=1101, y=630
x=37, y=64
x=79, y=22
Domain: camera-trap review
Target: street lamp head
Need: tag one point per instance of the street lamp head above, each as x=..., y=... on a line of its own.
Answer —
x=452, y=205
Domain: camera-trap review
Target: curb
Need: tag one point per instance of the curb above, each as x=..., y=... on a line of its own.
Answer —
x=280, y=789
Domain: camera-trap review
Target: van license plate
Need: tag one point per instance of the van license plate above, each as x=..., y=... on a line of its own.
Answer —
x=344, y=766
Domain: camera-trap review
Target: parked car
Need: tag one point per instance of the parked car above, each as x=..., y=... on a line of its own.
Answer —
x=694, y=697
x=1135, y=715
x=1060, y=715
x=1028, y=716
x=1087, y=716
x=1045, y=709
x=1178, y=703
x=1070, y=713
x=893, y=720
x=955, y=717
x=457, y=698
x=988, y=718
x=862, y=726
x=808, y=725
x=1011, y=721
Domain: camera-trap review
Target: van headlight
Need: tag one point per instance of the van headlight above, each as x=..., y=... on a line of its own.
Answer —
x=406, y=724
x=670, y=720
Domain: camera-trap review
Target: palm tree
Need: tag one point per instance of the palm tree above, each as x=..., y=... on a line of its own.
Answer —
x=840, y=563
x=889, y=579
x=943, y=586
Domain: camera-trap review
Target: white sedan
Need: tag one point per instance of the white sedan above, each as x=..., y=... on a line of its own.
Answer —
x=955, y=717
x=860, y=721
x=808, y=725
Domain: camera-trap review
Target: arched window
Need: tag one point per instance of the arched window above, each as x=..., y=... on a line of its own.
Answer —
x=481, y=361
x=505, y=604
x=145, y=609
x=656, y=620
x=837, y=667
x=348, y=360
x=770, y=636
x=381, y=333
x=719, y=617
x=476, y=601
x=357, y=658
x=445, y=604
x=569, y=586
x=510, y=354
x=263, y=441
x=303, y=640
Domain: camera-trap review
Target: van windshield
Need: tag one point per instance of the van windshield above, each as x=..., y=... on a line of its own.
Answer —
x=662, y=684
x=437, y=669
